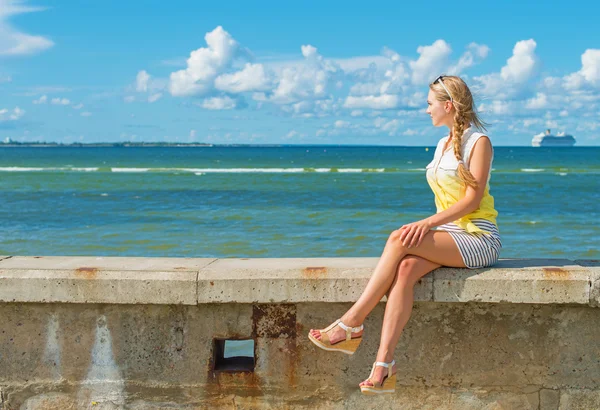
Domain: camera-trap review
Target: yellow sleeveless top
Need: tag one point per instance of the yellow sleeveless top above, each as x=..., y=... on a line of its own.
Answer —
x=448, y=188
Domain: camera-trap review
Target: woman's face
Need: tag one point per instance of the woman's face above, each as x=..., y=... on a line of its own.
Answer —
x=437, y=110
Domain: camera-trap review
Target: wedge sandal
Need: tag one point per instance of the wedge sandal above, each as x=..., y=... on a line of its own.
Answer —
x=348, y=346
x=388, y=385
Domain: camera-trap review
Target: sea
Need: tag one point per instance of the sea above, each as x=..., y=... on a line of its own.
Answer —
x=277, y=201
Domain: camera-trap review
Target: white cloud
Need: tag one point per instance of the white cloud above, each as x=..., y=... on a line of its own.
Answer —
x=431, y=61
x=540, y=101
x=60, y=101
x=496, y=107
x=14, y=42
x=389, y=126
x=129, y=99
x=475, y=54
x=551, y=82
x=205, y=64
x=312, y=79
x=219, y=103
x=5, y=78
x=410, y=132
x=512, y=77
x=531, y=121
x=381, y=102
x=362, y=89
x=356, y=113
x=192, y=133
x=590, y=62
x=341, y=124
x=521, y=66
x=589, y=73
x=252, y=78
x=42, y=100
x=78, y=106
x=294, y=134
x=358, y=63
x=86, y=114
x=14, y=115
x=141, y=81
x=154, y=97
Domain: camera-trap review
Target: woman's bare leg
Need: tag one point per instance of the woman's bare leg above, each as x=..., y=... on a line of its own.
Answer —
x=399, y=307
x=437, y=247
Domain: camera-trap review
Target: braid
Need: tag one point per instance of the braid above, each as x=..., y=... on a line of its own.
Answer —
x=457, y=91
x=458, y=130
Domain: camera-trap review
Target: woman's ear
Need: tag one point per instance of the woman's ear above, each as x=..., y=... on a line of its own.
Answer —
x=448, y=106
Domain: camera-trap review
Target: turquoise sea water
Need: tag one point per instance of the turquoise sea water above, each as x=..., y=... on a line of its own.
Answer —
x=301, y=201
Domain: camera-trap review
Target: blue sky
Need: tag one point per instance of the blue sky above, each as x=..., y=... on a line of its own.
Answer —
x=307, y=73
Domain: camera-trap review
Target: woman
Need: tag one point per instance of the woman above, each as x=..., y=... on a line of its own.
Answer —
x=463, y=232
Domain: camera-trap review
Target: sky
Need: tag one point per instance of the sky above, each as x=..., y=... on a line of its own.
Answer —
x=273, y=72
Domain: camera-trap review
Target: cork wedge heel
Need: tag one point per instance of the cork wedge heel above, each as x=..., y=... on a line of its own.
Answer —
x=388, y=385
x=347, y=346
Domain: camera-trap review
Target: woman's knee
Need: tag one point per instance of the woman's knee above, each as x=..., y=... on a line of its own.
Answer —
x=394, y=239
x=407, y=267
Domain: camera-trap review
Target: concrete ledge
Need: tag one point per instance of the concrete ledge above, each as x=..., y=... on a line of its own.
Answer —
x=293, y=280
x=558, y=281
x=100, y=280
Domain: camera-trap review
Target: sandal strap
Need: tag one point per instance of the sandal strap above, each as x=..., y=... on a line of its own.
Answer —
x=384, y=364
x=331, y=326
x=349, y=330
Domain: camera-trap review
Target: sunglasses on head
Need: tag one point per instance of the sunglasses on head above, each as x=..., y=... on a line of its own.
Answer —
x=439, y=80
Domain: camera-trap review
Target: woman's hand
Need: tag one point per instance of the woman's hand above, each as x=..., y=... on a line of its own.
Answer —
x=412, y=234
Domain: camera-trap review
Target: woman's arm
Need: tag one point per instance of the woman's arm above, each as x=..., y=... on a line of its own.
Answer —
x=480, y=162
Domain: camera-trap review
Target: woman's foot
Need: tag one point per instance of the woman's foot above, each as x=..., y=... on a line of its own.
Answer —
x=379, y=374
x=336, y=334
x=337, y=337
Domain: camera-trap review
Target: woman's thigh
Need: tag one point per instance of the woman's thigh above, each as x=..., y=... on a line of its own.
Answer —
x=412, y=268
x=438, y=247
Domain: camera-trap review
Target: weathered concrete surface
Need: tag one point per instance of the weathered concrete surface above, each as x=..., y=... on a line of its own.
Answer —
x=291, y=280
x=461, y=356
x=100, y=280
x=516, y=281
x=513, y=353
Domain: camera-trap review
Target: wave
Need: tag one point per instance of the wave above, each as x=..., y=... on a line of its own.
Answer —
x=130, y=169
x=48, y=169
x=203, y=171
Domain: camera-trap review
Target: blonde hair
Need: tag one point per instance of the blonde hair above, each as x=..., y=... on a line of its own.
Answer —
x=464, y=113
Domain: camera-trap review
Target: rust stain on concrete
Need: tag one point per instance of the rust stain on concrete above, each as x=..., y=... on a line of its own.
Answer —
x=293, y=360
x=86, y=273
x=314, y=272
x=556, y=273
x=274, y=321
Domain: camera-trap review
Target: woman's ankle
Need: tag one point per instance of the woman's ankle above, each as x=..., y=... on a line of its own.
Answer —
x=385, y=356
x=351, y=320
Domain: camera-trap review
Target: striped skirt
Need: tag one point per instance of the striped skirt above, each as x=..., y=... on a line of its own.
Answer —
x=478, y=250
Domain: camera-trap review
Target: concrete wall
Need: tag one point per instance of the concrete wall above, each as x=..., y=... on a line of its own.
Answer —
x=138, y=333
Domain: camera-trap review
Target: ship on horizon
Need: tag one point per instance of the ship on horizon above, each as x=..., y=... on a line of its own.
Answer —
x=546, y=139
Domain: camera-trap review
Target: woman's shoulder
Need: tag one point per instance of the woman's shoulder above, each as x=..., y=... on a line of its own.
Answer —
x=474, y=137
